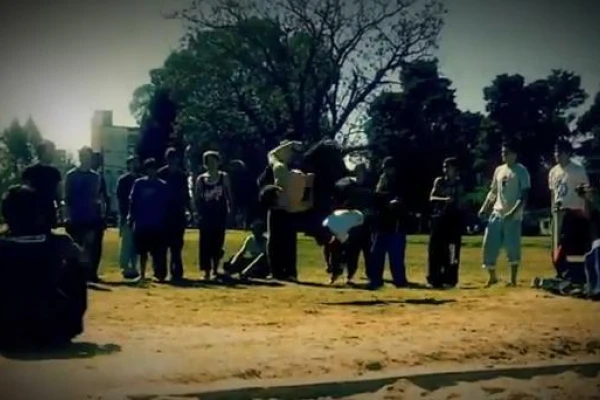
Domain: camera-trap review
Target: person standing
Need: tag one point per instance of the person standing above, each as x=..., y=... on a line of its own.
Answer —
x=564, y=181
x=389, y=236
x=148, y=216
x=507, y=197
x=213, y=205
x=177, y=182
x=45, y=179
x=128, y=254
x=281, y=219
x=83, y=207
x=447, y=198
x=104, y=210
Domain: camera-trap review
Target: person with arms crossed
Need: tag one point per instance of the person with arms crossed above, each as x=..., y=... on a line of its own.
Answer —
x=128, y=254
x=507, y=197
x=447, y=198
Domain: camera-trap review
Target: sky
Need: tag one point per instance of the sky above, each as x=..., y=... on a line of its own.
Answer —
x=61, y=60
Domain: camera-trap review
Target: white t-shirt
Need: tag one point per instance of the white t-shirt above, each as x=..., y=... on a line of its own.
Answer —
x=340, y=222
x=563, y=181
x=508, y=186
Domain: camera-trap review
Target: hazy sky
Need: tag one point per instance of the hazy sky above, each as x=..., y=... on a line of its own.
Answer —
x=61, y=60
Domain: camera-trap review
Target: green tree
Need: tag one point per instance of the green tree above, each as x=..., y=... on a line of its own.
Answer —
x=420, y=123
x=588, y=128
x=535, y=115
x=302, y=68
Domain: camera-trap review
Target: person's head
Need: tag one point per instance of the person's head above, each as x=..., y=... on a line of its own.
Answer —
x=387, y=166
x=133, y=164
x=258, y=228
x=150, y=167
x=509, y=153
x=172, y=157
x=211, y=160
x=22, y=211
x=96, y=160
x=450, y=167
x=563, y=151
x=46, y=151
x=269, y=196
x=86, y=155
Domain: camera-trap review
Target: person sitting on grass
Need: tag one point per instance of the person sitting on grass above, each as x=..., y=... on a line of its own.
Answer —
x=341, y=223
x=43, y=293
x=250, y=261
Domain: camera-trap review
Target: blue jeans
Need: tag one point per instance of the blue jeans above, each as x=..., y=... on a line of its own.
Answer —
x=394, y=246
x=502, y=233
x=128, y=255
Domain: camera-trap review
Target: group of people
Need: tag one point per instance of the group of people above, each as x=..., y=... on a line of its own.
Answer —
x=356, y=216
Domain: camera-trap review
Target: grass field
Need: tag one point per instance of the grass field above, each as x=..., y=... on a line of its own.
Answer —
x=206, y=332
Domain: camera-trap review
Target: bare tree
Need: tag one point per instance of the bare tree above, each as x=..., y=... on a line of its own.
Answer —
x=363, y=43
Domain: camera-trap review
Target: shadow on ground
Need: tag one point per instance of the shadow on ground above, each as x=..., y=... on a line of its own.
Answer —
x=365, y=303
x=72, y=351
x=336, y=390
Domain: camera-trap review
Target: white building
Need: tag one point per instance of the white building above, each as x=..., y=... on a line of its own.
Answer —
x=116, y=144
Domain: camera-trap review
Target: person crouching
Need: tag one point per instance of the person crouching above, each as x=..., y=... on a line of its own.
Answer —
x=250, y=261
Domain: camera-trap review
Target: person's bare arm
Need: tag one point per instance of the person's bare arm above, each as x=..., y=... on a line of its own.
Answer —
x=491, y=196
x=435, y=193
x=228, y=191
x=525, y=183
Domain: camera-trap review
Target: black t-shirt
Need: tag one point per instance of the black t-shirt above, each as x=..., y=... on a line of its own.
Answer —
x=44, y=179
x=177, y=181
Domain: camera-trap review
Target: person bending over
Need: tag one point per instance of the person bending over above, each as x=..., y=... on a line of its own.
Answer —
x=341, y=224
x=43, y=291
x=251, y=261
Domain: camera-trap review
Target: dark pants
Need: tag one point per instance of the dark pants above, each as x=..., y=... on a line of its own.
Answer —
x=174, y=242
x=359, y=241
x=444, y=252
x=393, y=245
x=336, y=255
x=153, y=242
x=84, y=234
x=248, y=267
x=282, y=244
x=212, y=239
x=96, y=250
x=575, y=240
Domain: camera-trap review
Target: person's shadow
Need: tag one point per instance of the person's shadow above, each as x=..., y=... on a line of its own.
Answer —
x=73, y=350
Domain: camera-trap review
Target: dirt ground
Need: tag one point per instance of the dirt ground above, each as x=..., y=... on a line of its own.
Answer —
x=145, y=337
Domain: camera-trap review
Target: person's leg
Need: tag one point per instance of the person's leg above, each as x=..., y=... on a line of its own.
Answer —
x=352, y=252
x=124, y=255
x=450, y=276
x=96, y=250
x=205, y=253
x=512, y=243
x=378, y=253
x=176, y=248
x=158, y=251
x=237, y=266
x=291, y=246
x=280, y=244
x=257, y=268
x=336, y=260
x=365, y=247
x=437, y=252
x=492, y=243
x=219, y=243
x=396, y=249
